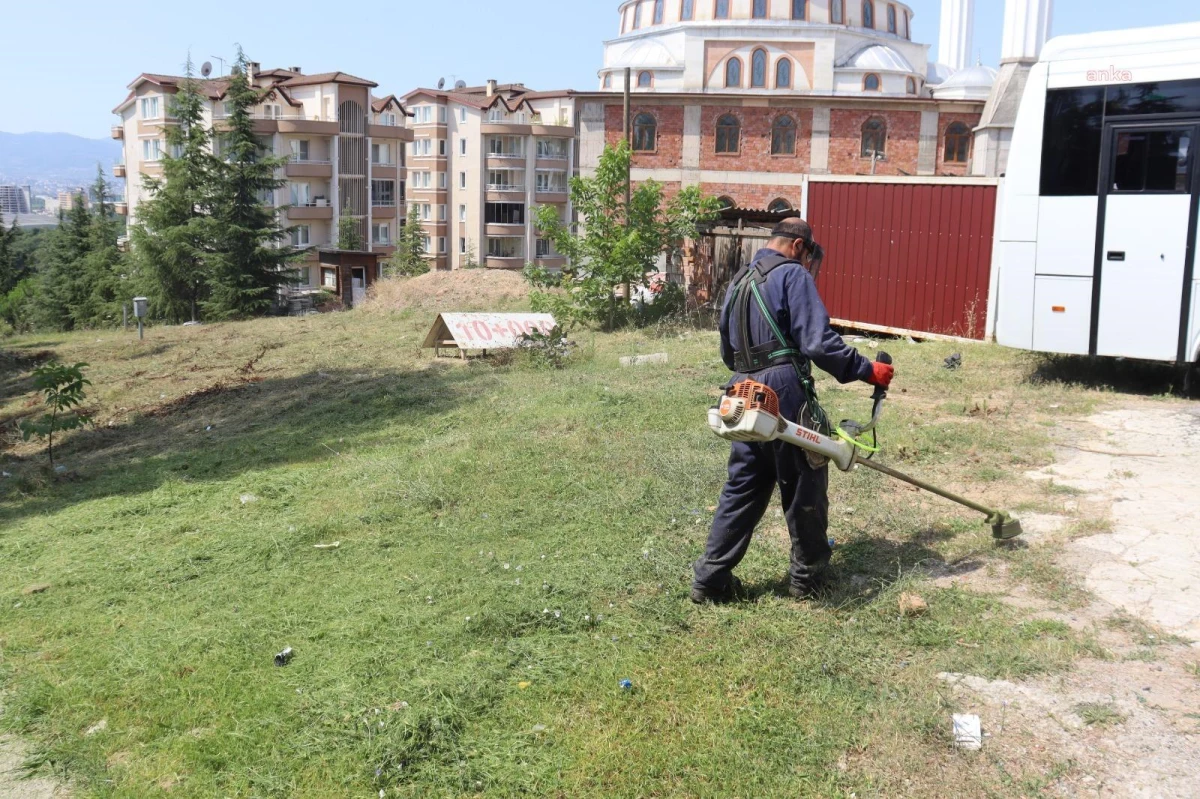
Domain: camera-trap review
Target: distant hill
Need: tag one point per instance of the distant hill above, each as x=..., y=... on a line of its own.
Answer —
x=54, y=158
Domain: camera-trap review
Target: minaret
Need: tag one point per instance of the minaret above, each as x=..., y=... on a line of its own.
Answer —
x=1026, y=29
x=957, y=31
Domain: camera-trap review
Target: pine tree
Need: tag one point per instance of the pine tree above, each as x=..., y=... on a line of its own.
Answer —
x=62, y=290
x=409, y=258
x=249, y=262
x=171, y=238
x=100, y=268
x=8, y=257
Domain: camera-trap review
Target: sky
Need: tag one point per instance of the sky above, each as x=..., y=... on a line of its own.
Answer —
x=78, y=56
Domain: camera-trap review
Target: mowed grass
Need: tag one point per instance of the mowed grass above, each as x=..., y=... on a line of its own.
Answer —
x=514, y=542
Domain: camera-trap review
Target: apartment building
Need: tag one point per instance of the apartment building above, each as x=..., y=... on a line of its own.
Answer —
x=481, y=160
x=345, y=150
x=67, y=198
x=15, y=200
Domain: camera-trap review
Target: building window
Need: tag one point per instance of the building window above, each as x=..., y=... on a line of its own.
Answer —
x=637, y=16
x=608, y=80
x=645, y=133
x=687, y=9
x=383, y=193
x=907, y=27
x=874, y=138
x=381, y=233
x=645, y=80
x=760, y=9
x=658, y=12
x=427, y=245
x=868, y=13
x=541, y=248
x=958, y=143
x=387, y=119
x=552, y=148
x=462, y=146
x=721, y=9
x=381, y=154
x=149, y=108
x=462, y=213
x=891, y=19
x=910, y=85
x=871, y=82
x=504, y=213
x=783, y=136
x=783, y=74
x=151, y=149
x=725, y=203
x=505, y=247
x=799, y=9
x=758, y=69
x=442, y=180
x=462, y=180
x=442, y=114
x=462, y=115
x=300, y=149
x=837, y=11
x=462, y=244
x=442, y=148
x=441, y=213
x=779, y=206
x=328, y=278
x=729, y=134
x=422, y=114
x=441, y=245
x=733, y=73
x=300, y=235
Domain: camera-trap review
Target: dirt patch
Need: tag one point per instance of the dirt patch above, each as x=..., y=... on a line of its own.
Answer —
x=459, y=290
x=13, y=785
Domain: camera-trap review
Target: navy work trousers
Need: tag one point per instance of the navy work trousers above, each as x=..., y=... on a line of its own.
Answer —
x=754, y=471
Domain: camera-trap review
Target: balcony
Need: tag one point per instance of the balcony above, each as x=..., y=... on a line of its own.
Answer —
x=310, y=210
x=383, y=209
x=118, y=170
x=123, y=243
x=286, y=123
x=376, y=131
x=121, y=209
x=308, y=168
x=118, y=131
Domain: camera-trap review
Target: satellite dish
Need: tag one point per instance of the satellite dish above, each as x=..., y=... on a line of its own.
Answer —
x=206, y=69
x=461, y=84
x=441, y=83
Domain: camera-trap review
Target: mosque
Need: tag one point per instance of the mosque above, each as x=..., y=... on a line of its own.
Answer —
x=747, y=97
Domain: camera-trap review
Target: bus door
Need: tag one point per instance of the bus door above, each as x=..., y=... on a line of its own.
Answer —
x=1146, y=240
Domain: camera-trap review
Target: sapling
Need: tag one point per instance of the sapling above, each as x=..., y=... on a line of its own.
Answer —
x=64, y=389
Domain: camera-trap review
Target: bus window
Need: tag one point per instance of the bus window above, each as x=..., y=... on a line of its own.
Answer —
x=1152, y=161
x=1167, y=97
x=1071, y=142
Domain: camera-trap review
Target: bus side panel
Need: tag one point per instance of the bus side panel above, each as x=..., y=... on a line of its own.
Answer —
x=1062, y=315
x=1014, y=306
x=1194, y=325
x=1067, y=236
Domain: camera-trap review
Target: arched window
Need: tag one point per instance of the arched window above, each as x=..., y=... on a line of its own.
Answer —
x=637, y=15
x=799, y=9
x=837, y=11
x=645, y=133
x=645, y=80
x=874, y=138
x=783, y=73
x=779, y=206
x=910, y=85
x=687, y=9
x=891, y=19
x=758, y=70
x=721, y=10
x=729, y=134
x=958, y=144
x=783, y=135
x=733, y=73
x=725, y=202
x=608, y=80
x=871, y=82
x=868, y=13
x=760, y=9
x=907, y=26
x=658, y=12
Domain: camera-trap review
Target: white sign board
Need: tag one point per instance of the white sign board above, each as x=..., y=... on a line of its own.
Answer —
x=486, y=331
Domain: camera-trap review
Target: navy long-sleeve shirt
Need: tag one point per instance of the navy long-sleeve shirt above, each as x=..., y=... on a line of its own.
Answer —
x=791, y=296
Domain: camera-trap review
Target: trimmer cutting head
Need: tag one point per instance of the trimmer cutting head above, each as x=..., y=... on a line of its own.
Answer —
x=1004, y=526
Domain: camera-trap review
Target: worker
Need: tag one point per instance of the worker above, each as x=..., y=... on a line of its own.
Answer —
x=774, y=326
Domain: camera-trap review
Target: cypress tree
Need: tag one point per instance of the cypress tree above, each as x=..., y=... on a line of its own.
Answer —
x=171, y=240
x=249, y=262
x=8, y=257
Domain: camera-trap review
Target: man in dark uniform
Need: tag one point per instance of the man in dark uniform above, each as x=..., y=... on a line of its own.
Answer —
x=773, y=327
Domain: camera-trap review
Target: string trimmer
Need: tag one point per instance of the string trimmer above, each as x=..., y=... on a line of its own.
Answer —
x=749, y=412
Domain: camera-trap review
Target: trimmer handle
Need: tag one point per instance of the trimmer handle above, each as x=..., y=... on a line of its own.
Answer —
x=881, y=392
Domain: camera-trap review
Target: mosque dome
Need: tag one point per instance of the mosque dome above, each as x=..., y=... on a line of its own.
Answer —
x=972, y=83
x=645, y=54
x=877, y=58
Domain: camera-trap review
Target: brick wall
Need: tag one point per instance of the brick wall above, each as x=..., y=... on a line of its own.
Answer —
x=749, y=196
x=945, y=121
x=755, y=145
x=845, y=142
x=669, y=151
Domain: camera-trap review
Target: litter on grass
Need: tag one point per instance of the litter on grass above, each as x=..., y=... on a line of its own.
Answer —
x=334, y=545
x=968, y=731
x=284, y=657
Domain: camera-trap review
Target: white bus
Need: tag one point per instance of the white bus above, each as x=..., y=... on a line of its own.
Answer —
x=1096, y=249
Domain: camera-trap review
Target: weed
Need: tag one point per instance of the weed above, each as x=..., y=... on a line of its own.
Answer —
x=1095, y=714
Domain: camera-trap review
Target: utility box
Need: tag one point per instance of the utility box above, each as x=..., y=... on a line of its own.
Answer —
x=139, y=307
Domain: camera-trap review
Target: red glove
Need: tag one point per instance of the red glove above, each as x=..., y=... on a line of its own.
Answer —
x=881, y=374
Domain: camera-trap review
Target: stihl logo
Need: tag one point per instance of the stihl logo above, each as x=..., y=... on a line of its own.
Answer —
x=808, y=435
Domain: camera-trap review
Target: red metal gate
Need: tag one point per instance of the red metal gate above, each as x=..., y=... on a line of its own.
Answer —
x=910, y=256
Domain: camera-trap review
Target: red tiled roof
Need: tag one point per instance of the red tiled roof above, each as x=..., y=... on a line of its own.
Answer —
x=327, y=77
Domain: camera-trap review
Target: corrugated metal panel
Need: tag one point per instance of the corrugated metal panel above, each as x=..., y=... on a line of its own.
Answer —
x=911, y=256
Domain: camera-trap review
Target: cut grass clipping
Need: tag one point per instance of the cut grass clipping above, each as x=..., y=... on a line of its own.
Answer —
x=513, y=543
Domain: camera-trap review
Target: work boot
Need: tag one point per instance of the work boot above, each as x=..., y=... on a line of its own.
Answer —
x=733, y=590
x=812, y=588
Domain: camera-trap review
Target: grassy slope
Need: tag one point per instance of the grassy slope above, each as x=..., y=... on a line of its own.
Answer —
x=498, y=525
